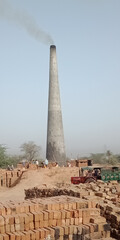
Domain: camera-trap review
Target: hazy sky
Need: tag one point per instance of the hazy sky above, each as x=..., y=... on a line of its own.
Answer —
x=87, y=36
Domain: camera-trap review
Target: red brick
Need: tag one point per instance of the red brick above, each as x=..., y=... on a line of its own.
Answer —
x=45, y=215
x=59, y=222
x=45, y=224
x=66, y=230
x=5, y=236
x=37, y=234
x=32, y=235
x=63, y=214
x=76, y=221
x=61, y=206
x=70, y=229
x=7, y=228
x=18, y=209
x=1, y=237
x=70, y=205
x=17, y=219
x=30, y=215
x=46, y=232
x=26, y=219
x=42, y=233
x=67, y=222
x=41, y=224
x=67, y=214
x=74, y=205
x=17, y=227
x=80, y=220
x=36, y=217
x=50, y=214
x=75, y=214
x=52, y=232
x=63, y=222
x=8, y=210
x=66, y=206
x=11, y=236
x=11, y=220
x=2, y=221
x=22, y=226
x=72, y=221
x=17, y=236
x=31, y=225
x=75, y=230
x=26, y=208
x=2, y=229
x=27, y=235
x=21, y=217
x=40, y=216
x=12, y=228
x=32, y=207
x=37, y=225
x=57, y=215
x=27, y=226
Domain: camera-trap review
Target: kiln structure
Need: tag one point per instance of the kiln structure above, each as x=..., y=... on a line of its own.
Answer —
x=55, y=151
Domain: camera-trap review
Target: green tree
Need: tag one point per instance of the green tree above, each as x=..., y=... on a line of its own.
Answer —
x=111, y=158
x=4, y=160
x=97, y=157
x=104, y=158
x=30, y=150
x=118, y=158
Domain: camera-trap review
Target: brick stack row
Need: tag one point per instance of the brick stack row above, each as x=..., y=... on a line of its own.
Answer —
x=79, y=163
x=9, y=178
x=58, y=217
x=112, y=215
x=47, y=192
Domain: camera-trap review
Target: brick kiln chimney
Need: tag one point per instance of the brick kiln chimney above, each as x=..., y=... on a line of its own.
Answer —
x=55, y=151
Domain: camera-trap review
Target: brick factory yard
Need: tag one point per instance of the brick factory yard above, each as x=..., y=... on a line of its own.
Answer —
x=87, y=211
x=43, y=177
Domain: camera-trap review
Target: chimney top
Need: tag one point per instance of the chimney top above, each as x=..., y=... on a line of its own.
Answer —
x=52, y=46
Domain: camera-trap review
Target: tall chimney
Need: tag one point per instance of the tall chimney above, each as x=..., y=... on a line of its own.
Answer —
x=55, y=151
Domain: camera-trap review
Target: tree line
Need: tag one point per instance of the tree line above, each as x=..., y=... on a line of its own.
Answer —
x=106, y=158
x=29, y=151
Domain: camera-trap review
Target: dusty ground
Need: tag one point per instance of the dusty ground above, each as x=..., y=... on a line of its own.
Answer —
x=39, y=178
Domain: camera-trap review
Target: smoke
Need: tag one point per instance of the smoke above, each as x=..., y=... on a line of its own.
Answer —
x=24, y=20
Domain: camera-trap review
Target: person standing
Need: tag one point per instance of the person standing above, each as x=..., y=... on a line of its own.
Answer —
x=37, y=163
x=46, y=162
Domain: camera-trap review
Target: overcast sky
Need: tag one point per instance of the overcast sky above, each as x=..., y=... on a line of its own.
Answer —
x=87, y=37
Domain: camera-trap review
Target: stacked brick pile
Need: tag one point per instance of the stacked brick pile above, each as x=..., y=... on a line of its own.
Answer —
x=107, y=197
x=9, y=178
x=38, y=192
x=79, y=163
x=30, y=166
x=82, y=163
x=109, y=210
x=112, y=214
x=51, y=164
x=73, y=163
x=60, y=217
x=2, y=178
x=104, y=194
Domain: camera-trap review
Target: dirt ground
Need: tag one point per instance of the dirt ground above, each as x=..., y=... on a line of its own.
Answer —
x=50, y=178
